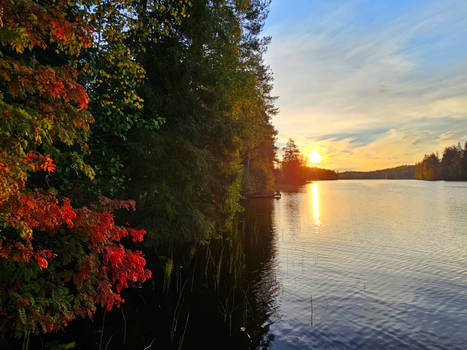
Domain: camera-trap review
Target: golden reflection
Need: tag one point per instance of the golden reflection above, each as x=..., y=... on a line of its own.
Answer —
x=315, y=194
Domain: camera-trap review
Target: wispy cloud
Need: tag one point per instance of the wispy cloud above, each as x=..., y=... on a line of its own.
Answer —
x=366, y=77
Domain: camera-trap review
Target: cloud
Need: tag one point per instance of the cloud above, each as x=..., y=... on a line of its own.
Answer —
x=385, y=151
x=407, y=143
x=349, y=74
x=356, y=138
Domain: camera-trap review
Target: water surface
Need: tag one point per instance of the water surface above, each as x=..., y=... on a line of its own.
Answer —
x=370, y=264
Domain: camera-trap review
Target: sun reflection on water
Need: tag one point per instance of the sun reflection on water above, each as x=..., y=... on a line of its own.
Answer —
x=315, y=194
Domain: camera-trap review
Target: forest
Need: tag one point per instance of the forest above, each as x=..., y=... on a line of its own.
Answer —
x=451, y=166
x=125, y=126
x=400, y=172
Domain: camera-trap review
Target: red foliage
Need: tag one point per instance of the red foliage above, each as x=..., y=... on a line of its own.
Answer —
x=126, y=266
x=119, y=265
x=38, y=161
x=36, y=211
x=108, y=267
x=44, y=103
x=45, y=23
x=137, y=234
x=42, y=262
x=112, y=266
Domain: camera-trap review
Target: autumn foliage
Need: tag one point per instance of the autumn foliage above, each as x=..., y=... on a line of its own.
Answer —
x=58, y=262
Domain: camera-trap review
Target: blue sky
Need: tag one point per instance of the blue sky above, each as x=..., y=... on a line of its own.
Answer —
x=369, y=84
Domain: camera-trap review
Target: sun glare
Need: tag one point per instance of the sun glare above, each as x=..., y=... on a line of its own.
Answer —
x=314, y=157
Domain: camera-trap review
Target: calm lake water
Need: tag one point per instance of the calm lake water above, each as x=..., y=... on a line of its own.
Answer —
x=356, y=264
x=368, y=264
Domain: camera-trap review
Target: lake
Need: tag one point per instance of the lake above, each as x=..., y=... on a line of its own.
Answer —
x=348, y=264
x=368, y=264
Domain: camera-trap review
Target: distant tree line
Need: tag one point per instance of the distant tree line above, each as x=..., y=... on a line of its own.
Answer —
x=314, y=173
x=452, y=166
x=293, y=169
x=400, y=172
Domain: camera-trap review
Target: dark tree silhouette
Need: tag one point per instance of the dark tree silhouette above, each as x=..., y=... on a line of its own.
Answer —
x=452, y=166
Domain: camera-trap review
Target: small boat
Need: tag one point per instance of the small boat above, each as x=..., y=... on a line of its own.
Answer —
x=275, y=195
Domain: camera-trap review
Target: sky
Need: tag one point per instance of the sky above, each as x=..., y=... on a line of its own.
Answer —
x=369, y=84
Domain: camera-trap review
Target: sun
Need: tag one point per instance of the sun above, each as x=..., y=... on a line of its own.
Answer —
x=314, y=157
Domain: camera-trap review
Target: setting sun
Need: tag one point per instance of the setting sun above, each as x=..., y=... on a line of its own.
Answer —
x=314, y=157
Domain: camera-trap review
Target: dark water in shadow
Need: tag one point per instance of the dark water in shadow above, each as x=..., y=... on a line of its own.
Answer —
x=220, y=295
x=331, y=265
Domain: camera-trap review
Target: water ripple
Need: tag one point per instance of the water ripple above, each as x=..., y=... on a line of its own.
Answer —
x=383, y=269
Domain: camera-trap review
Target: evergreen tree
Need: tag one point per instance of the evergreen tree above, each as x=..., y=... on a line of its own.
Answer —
x=207, y=82
x=292, y=164
x=452, y=166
